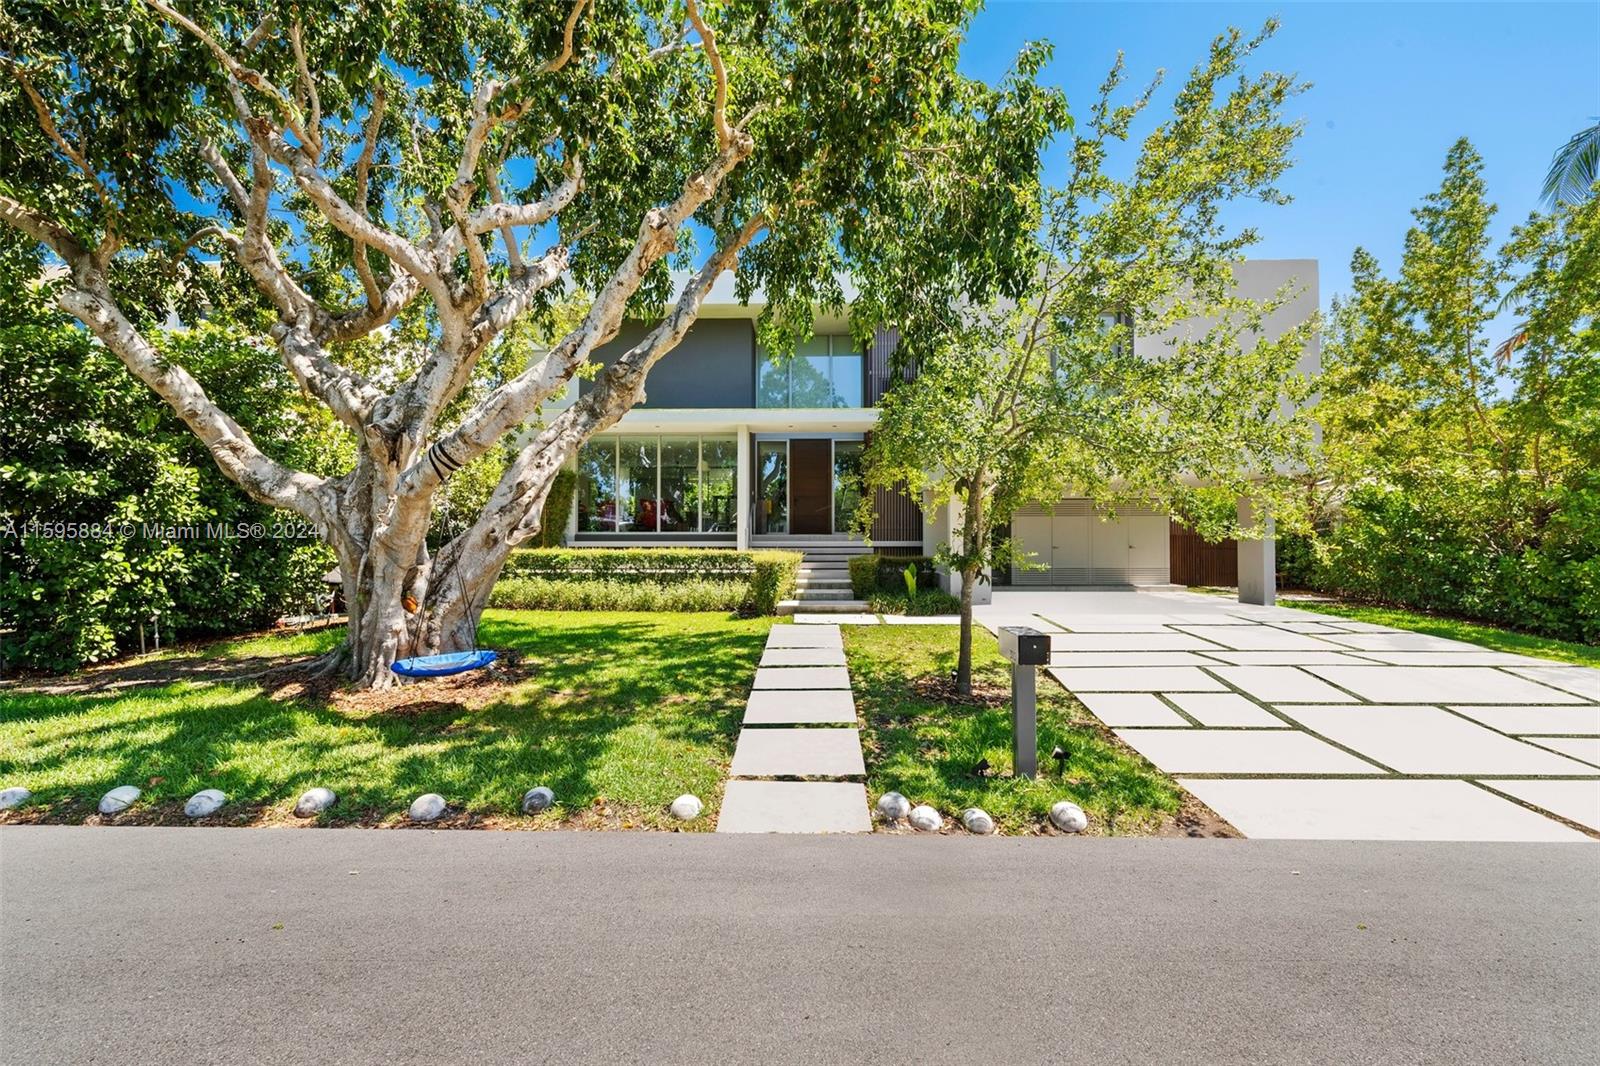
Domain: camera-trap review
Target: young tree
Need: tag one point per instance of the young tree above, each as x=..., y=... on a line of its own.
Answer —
x=1087, y=382
x=385, y=178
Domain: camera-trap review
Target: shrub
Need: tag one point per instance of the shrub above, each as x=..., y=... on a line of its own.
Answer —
x=877, y=572
x=928, y=601
x=764, y=577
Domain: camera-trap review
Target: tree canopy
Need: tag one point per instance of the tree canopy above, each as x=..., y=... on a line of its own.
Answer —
x=1130, y=368
x=395, y=190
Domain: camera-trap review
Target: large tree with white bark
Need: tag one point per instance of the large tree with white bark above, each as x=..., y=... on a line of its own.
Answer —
x=435, y=180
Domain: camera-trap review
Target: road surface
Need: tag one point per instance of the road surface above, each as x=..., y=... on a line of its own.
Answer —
x=184, y=946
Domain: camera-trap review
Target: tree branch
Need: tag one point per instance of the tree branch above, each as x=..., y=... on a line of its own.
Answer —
x=109, y=243
x=719, y=106
x=369, y=148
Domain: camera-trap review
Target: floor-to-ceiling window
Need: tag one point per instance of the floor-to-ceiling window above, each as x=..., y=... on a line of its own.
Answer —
x=826, y=371
x=772, y=486
x=638, y=484
x=846, y=484
x=719, y=478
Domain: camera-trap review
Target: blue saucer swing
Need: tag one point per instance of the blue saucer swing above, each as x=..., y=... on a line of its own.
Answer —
x=455, y=662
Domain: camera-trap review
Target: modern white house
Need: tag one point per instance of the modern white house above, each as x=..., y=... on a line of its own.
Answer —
x=729, y=449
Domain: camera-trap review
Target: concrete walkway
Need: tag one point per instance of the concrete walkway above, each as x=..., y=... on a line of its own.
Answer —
x=797, y=766
x=1294, y=724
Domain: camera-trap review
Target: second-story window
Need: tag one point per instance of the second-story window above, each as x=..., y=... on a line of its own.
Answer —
x=826, y=371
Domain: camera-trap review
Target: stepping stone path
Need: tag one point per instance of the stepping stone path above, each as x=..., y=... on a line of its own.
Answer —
x=800, y=723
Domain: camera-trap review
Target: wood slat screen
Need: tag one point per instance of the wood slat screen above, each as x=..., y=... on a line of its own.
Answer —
x=1194, y=562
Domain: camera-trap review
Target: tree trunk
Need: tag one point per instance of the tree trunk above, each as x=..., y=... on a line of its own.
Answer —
x=964, y=659
x=972, y=552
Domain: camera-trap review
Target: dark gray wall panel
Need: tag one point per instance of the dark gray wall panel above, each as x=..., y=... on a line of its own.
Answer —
x=714, y=365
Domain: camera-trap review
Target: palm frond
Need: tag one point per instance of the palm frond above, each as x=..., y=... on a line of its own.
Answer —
x=1574, y=168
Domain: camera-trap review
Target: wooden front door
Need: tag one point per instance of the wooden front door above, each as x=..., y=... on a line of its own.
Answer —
x=811, y=486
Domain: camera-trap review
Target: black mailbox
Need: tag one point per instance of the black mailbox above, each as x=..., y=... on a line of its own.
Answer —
x=1025, y=646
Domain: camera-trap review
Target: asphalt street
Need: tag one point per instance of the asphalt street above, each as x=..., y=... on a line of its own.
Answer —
x=153, y=946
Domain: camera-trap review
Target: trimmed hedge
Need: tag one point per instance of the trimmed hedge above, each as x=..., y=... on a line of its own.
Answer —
x=763, y=577
x=875, y=573
x=588, y=594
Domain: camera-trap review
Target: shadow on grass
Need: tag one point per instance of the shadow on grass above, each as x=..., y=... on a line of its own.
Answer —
x=619, y=713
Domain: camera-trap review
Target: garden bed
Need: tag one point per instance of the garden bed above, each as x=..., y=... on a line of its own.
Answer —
x=925, y=742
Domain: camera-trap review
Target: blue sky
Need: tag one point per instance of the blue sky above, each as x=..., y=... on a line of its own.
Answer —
x=1393, y=85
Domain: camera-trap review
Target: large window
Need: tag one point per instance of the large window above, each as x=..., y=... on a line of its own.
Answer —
x=657, y=485
x=846, y=484
x=772, y=486
x=825, y=372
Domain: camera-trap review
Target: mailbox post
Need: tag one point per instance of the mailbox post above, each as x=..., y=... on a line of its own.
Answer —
x=1026, y=649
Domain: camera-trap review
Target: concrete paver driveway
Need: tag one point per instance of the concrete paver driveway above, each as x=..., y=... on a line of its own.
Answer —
x=1294, y=724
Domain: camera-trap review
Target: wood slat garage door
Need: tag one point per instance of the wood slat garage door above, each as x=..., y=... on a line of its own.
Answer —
x=1075, y=544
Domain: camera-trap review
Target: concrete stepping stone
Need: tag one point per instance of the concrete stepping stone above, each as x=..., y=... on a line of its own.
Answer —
x=798, y=753
x=1578, y=680
x=1169, y=641
x=803, y=657
x=804, y=637
x=1128, y=658
x=1547, y=721
x=1585, y=748
x=794, y=807
x=1241, y=751
x=1290, y=658
x=1139, y=679
x=1428, y=740
x=922, y=619
x=1226, y=709
x=1393, y=641
x=1131, y=709
x=836, y=619
x=1392, y=809
x=1448, y=658
x=791, y=707
x=1281, y=684
x=802, y=677
x=1439, y=684
x=1577, y=801
x=1259, y=638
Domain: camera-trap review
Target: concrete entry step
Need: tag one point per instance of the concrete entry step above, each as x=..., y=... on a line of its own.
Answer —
x=794, y=807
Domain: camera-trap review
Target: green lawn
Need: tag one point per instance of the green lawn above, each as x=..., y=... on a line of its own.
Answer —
x=621, y=713
x=1508, y=640
x=927, y=749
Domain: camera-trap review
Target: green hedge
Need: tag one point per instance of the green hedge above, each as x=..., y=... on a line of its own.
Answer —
x=928, y=601
x=589, y=594
x=875, y=573
x=763, y=578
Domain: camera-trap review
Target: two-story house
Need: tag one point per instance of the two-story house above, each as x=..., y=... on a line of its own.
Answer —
x=730, y=449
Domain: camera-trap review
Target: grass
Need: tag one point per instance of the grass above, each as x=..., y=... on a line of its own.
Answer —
x=927, y=749
x=621, y=713
x=1508, y=640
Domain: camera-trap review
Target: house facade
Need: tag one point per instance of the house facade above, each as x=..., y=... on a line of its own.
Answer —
x=729, y=449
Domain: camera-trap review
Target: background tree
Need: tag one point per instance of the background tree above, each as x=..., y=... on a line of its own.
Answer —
x=1574, y=169
x=1452, y=477
x=384, y=184
x=1088, y=382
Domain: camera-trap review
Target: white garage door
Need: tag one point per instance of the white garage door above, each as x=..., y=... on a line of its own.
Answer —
x=1078, y=545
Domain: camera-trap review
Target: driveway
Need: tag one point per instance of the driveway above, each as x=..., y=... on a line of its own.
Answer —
x=243, y=946
x=1298, y=725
